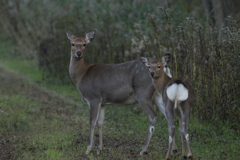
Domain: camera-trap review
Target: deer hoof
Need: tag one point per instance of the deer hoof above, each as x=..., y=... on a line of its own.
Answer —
x=89, y=148
x=190, y=157
x=184, y=157
x=98, y=151
x=143, y=152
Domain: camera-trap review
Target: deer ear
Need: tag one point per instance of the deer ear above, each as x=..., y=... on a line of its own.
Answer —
x=144, y=60
x=166, y=58
x=69, y=34
x=90, y=36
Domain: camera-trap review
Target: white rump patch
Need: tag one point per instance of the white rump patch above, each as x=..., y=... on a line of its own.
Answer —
x=177, y=92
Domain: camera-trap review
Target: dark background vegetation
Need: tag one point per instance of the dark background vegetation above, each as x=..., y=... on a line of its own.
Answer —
x=202, y=36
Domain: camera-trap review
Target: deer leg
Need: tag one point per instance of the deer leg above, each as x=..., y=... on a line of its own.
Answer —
x=94, y=112
x=174, y=146
x=171, y=129
x=181, y=126
x=100, y=125
x=149, y=136
x=146, y=104
x=185, y=127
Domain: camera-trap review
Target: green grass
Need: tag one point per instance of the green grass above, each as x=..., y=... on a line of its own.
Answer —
x=47, y=121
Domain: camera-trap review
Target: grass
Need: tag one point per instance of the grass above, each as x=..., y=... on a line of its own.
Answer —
x=46, y=121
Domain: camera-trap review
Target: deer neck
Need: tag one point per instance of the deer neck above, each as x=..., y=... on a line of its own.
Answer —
x=161, y=83
x=77, y=69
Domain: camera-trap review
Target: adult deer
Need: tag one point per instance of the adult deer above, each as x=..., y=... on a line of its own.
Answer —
x=101, y=84
x=177, y=96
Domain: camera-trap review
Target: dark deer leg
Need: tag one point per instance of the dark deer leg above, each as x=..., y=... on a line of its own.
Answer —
x=149, y=136
x=186, y=117
x=181, y=130
x=171, y=128
x=100, y=125
x=94, y=113
x=146, y=104
x=174, y=147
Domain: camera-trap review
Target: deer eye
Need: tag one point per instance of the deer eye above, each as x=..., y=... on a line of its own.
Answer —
x=72, y=44
x=159, y=66
x=84, y=44
x=149, y=67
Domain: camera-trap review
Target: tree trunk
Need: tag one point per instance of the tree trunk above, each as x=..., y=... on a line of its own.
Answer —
x=218, y=13
x=207, y=6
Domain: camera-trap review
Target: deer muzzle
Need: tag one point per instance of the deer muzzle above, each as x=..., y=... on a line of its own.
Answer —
x=152, y=74
x=79, y=53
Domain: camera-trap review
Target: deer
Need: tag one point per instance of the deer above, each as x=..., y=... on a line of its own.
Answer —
x=176, y=96
x=105, y=84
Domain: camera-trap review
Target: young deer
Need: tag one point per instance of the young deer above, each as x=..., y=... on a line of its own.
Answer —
x=101, y=84
x=177, y=96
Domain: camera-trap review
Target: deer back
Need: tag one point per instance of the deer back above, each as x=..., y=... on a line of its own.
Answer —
x=116, y=83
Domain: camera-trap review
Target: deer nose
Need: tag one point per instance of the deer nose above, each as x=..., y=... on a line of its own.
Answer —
x=152, y=74
x=79, y=53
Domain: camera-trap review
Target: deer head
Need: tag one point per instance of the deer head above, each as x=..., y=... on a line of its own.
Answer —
x=157, y=68
x=78, y=44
